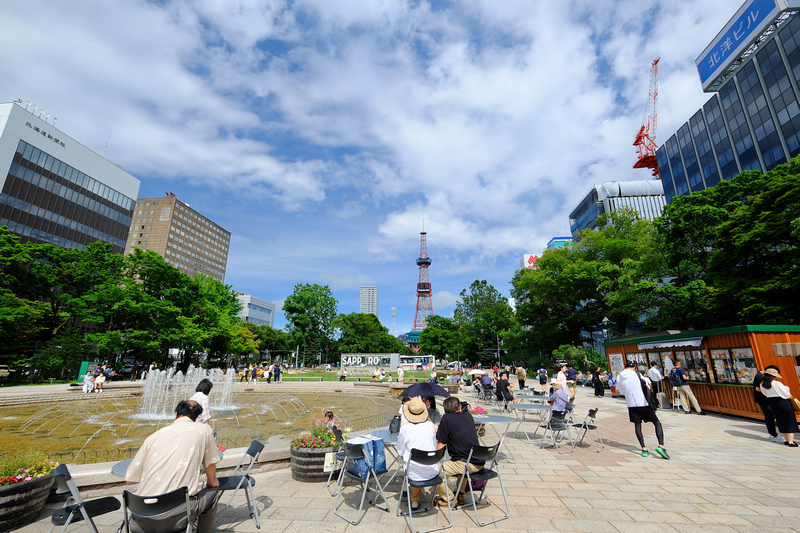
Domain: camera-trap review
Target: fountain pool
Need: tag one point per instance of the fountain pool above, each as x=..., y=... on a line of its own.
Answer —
x=94, y=428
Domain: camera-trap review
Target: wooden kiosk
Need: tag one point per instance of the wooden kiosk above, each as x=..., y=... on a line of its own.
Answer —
x=721, y=363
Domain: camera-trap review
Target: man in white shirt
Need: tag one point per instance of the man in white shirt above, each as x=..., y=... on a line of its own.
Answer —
x=629, y=384
x=419, y=433
x=655, y=377
x=173, y=457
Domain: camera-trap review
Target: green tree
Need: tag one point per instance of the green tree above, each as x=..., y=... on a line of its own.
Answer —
x=310, y=311
x=483, y=317
x=364, y=333
x=441, y=338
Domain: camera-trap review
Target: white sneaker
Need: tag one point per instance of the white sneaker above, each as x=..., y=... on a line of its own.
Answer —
x=779, y=439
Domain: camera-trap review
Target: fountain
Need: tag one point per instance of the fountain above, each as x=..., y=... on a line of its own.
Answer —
x=164, y=389
x=98, y=428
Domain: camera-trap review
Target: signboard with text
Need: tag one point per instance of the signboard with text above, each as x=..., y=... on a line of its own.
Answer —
x=741, y=31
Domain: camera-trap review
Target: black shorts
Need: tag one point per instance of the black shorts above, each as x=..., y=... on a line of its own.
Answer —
x=637, y=415
x=542, y=381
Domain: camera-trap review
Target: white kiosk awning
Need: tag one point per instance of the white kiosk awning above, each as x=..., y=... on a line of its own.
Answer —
x=691, y=341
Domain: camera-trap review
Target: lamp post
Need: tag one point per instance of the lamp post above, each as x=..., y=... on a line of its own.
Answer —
x=605, y=322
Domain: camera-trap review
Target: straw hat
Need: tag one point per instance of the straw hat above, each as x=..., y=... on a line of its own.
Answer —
x=415, y=410
x=774, y=373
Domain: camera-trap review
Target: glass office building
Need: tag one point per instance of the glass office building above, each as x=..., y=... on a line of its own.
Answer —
x=57, y=191
x=752, y=122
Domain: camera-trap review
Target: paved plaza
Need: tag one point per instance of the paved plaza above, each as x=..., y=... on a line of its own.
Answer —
x=724, y=476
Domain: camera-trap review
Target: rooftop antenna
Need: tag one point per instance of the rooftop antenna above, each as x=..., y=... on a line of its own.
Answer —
x=394, y=322
x=106, y=145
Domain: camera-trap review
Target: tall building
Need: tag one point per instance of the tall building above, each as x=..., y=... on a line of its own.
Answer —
x=644, y=197
x=368, y=302
x=256, y=310
x=182, y=236
x=55, y=190
x=752, y=121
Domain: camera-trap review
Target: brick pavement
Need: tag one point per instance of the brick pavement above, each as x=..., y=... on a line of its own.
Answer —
x=724, y=476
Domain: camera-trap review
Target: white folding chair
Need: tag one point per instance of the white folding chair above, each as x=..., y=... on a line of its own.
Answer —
x=241, y=478
x=489, y=471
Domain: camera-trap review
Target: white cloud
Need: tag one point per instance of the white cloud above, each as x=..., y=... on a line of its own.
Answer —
x=319, y=132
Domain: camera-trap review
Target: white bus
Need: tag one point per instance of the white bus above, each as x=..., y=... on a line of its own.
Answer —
x=417, y=362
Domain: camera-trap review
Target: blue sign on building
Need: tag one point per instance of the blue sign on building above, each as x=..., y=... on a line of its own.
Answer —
x=740, y=32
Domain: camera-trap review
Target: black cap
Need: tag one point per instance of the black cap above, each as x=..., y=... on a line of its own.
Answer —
x=630, y=364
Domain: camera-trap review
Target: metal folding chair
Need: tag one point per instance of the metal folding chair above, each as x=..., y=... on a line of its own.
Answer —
x=339, y=460
x=241, y=477
x=489, y=471
x=148, y=511
x=555, y=426
x=354, y=452
x=588, y=425
x=487, y=392
x=76, y=508
x=424, y=458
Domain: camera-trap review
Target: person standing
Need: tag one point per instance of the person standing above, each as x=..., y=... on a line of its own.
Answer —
x=400, y=374
x=521, y=376
x=597, y=381
x=278, y=374
x=778, y=396
x=542, y=373
x=629, y=384
x=680, y=380
x=173, y=457
x=655, y=377
x=572, y=377
x=562, y=376
x=763, y=403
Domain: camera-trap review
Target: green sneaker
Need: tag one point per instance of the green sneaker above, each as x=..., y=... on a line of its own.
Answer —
x=662, y=452
x=645, y=454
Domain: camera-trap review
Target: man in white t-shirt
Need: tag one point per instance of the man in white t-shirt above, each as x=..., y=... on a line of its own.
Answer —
x=629, y=384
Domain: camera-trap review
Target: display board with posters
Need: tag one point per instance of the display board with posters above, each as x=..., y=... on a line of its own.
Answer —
x=616, y=363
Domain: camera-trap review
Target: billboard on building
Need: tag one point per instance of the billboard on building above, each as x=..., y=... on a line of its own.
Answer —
x=746, y=26
x=528, y=261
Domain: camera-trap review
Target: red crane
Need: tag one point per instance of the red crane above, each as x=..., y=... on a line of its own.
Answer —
x=645, y=141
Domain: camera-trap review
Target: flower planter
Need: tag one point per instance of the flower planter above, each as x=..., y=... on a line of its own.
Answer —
x=308, y=463
x=21, y=502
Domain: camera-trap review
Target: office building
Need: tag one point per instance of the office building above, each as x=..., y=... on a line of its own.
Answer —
x=558, y=242
x=256, y=310
x=644, y=197
x=368, y=303
x=752, y=121
x=182, y=236
x=55, y=190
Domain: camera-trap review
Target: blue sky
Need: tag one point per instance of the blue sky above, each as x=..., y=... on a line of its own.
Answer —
x=321, y=133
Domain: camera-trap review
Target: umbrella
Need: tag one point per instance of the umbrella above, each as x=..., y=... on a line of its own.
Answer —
x=476, y=371
x=424, y=389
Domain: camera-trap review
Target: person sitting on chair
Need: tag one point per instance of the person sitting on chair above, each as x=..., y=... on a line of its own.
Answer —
x=502, y=389
x=419, y=433
x=457, y=432
x=173, y=457
x=559, y=397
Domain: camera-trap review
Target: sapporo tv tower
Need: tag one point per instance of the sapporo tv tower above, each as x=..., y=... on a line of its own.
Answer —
x=424, y=292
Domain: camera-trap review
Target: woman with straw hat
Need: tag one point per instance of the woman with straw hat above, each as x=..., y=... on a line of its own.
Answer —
x=778, y=396
x=419, y=433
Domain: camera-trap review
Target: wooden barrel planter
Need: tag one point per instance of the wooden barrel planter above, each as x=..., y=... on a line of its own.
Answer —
x=21, y=502
x=308, y=463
